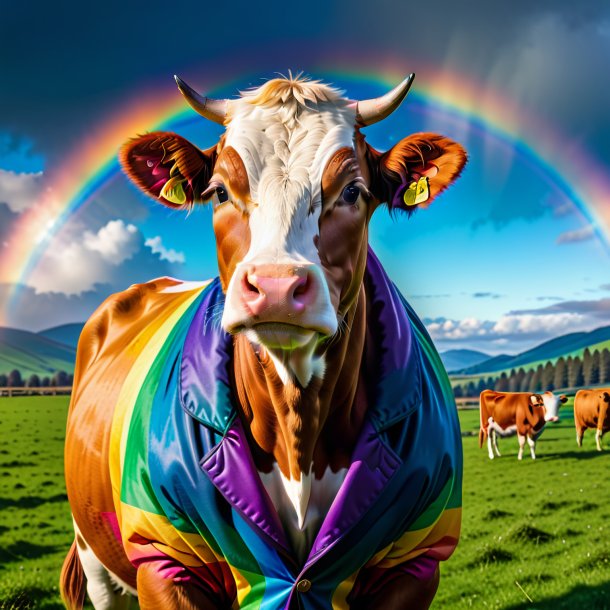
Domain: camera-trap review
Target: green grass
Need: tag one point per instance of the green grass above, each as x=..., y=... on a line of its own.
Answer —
x=35, y=522
x=541, y=524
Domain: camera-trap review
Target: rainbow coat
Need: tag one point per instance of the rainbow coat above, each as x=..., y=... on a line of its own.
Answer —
x=188, y=496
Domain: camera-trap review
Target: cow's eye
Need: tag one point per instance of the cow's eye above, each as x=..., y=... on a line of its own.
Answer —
x=222, y=194
x=350, y=194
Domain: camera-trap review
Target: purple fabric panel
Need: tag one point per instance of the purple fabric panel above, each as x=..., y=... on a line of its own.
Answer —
x=393, y=370
x=232, y=470
x=206, y=358
x=422, y=567
x=372, y=466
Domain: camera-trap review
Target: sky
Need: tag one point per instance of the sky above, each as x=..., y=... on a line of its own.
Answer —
x=514, y=253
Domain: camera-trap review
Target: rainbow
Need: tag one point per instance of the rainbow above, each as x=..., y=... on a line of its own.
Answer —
x=93, y=164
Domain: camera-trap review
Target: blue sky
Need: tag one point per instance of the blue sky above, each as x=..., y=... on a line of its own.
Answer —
x=491, y=265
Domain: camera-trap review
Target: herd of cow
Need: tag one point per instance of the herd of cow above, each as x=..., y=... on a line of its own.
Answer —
x=526, y=414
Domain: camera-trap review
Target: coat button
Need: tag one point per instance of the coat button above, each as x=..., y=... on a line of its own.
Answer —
x=303, y=585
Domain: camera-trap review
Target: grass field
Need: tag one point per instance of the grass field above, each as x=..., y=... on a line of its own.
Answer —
x=531, y=529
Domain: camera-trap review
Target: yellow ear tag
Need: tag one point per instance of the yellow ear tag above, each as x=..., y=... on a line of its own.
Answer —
x=173, y=192
x=417, y=193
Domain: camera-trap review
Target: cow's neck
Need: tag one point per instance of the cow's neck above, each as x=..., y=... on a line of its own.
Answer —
x=304, y=430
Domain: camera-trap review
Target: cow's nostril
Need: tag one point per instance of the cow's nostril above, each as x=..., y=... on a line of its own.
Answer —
x=303, y=286
x=249, y=285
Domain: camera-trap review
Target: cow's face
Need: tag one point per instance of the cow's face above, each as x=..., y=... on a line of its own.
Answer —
x=293, y=185
x=552, y=404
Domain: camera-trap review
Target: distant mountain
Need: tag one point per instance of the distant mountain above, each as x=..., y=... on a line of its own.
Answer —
x=32, y=353
x=571, y=344
x=496, y=363
x=67, y=334
x=455, y=359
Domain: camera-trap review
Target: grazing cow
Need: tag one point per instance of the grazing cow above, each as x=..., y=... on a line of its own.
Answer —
x=521, y=413
x=591, y=411
x=283, y=436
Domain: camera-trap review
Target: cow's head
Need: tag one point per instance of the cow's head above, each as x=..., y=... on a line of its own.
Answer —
x=293, y=185
x=552, y=403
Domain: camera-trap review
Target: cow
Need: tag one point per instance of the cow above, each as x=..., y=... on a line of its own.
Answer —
x=522, y=413
x=591, y=411
x=283, y=436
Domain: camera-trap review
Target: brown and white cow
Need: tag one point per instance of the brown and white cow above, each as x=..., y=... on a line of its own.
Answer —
x=293, y=186
x=522, y=413
x=592, y=410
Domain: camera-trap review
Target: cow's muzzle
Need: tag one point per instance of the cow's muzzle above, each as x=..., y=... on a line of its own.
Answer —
x=285, y=305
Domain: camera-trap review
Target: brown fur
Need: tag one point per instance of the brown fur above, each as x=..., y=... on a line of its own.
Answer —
x=299, y=427
x=592, y=410
x=231, y=169
x=72, y=581
x=413, y=156
x=511, y=409
x=173, y=154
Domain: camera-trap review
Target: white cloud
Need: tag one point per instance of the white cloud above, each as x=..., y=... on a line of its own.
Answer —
x=515, y=331
x=553, y=324
x=19, y=190
x=116, y=241
x=171, y=255
x=570, y=237
x=74, y=265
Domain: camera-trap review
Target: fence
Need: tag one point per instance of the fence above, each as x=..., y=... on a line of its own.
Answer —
x=47, y=391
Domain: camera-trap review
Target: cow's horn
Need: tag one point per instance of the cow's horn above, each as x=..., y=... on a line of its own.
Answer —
x=215, y=110
x=378, y=108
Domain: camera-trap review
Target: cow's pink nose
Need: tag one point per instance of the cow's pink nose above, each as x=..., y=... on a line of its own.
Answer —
x=269, y=291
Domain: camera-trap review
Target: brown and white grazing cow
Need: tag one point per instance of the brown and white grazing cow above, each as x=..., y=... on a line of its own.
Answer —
x=306, y=453
x=522, y=413
x=592, y=410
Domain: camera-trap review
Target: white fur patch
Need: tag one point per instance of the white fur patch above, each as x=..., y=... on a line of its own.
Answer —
x=551, y=404
x=105, y=589
x=510, y=431
x=302, y=505
x=285, y=149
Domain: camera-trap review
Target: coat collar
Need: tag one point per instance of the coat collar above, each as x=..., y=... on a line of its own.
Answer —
x=392, y=364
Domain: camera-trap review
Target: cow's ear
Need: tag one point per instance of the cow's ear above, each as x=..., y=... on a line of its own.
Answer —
x=168, y=167
x=415, y=170
x=563, y=399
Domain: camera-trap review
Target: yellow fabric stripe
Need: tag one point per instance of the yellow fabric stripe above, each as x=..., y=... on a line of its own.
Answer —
x=408, y=546
x=189, y=549
x=148, y=344
x=339, y=600
x=418, y=542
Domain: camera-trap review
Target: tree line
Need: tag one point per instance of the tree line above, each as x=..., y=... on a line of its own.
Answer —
x=571, y=372
x=60, y=379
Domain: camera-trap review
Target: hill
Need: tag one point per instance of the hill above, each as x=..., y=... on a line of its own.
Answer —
x=566, y=345
x=67, y=334
x=455, y=359
x=32, y=353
